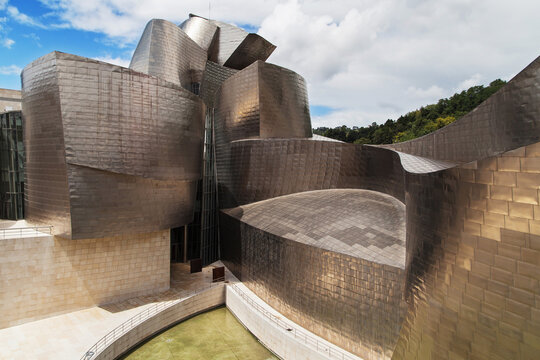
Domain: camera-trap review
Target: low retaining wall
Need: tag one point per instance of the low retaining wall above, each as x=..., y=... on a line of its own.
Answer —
x=292, y=344
x=193, y=305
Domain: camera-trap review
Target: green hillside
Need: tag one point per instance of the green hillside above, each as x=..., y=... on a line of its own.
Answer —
x=415, y=123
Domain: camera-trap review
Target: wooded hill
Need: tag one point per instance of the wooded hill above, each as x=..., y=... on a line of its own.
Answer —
x=415, y=123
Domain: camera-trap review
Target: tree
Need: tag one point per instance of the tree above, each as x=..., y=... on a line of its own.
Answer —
x=418, y=122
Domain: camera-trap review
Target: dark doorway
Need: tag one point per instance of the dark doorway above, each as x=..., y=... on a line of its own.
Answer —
x=178, y=244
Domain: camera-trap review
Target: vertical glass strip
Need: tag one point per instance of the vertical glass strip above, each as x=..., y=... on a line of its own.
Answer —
x=209, y=220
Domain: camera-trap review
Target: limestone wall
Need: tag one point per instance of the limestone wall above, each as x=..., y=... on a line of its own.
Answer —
x=10, y=100
x=45, y=275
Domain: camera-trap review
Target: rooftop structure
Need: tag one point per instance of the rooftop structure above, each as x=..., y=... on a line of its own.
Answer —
x=10, y=100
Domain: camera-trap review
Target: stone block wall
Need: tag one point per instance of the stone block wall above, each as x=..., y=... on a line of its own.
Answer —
x=48, y=275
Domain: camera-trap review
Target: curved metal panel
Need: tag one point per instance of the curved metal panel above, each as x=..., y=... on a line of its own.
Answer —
x=238, y=49
x=471, y=265
x=111, y=150
x=118, y=120
x=229, y=38
x=329, y=260
x=254, y=170
x=126, y=137
x=214, y=76
x=472, y=260
x=507, y=120
x=203, y=32
x=46, y=187
x=360, y=223
x=167, y=52
x=103, y=203
x=265, y=101
x=253, y=48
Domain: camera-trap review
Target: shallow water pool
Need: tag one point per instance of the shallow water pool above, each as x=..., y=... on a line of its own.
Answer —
x=215, y=334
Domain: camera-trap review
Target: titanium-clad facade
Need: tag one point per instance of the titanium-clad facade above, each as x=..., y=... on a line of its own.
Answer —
x=167, y=52
x=444, y=264
x=263, y=101
x=205, y=33
x=119, y=151
x=214, y=76
x=226, y=44
x=259, y=169
x=473, y=260
x=471, y=264
x=238, y=49
x=332, y=262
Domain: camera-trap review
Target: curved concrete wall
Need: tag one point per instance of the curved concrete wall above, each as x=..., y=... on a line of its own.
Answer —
x=101, y=141
x=287, y=340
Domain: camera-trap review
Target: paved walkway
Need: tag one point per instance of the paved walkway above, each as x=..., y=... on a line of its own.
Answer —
x=10, y=229
x=68, y=336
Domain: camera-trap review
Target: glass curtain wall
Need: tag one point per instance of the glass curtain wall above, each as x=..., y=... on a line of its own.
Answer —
x=11, y=166
x=209, y=205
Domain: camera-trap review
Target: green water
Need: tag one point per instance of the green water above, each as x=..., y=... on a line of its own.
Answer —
x=215, y=334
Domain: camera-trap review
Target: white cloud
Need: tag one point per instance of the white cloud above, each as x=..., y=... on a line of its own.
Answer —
x=21, y=18
x=373, y=59
x=10, y=70
x=124, y=20
x=432, y=93
x=114, y=60
x=7, y=42
x=474, y=80
x=378, y=59
x=3, y=4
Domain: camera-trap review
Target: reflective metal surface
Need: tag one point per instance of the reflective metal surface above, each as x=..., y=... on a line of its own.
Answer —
x=167, y=52
x=109, y=150
x=330, y=260
x=471, y=269
x=252, y=48
x=263, y=101
x=359, y=223
x=507, y=120
x=203, y=32
x=237, y=49
x=473, y=250
x=214, y=76
x=258, y=169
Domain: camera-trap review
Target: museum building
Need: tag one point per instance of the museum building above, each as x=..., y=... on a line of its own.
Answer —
x=203, y=150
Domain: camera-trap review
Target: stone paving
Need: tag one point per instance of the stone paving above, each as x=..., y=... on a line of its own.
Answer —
x=68, y=336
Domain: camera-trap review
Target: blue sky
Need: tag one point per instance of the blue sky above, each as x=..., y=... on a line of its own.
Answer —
x=364, y=61
x=39, y=30
x=47, y=32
